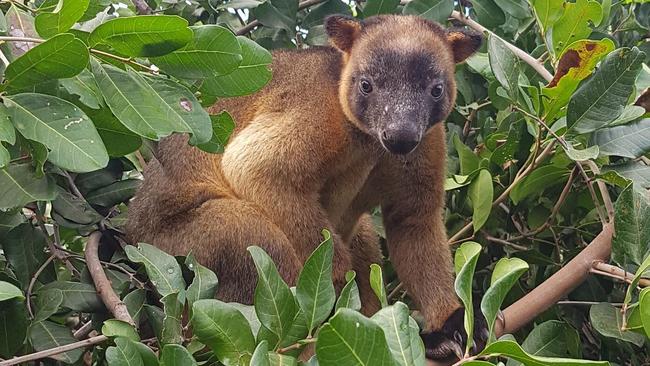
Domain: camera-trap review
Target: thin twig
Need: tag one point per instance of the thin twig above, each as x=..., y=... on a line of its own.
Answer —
x=84, y=330
x=524, y=172
x=30, y=287
x=113, y=303
x=297, y=345
x=604, y=269
x=126, y=60
x=504, y=242
x=554, y=211
x=71, y=184
x=54, y=351
x=530, y=60
x=395, y=291
x=586, y=303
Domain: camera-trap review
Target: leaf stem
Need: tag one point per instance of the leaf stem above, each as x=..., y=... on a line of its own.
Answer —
x=297, y=345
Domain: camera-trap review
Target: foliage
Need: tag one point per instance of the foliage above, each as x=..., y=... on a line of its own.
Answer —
x=89, y=87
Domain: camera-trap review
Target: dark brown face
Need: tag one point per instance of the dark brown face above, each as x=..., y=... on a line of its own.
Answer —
x=398, y=78
x=399, y=94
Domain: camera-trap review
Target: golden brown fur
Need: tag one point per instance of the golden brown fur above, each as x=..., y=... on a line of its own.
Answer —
x=300, y=161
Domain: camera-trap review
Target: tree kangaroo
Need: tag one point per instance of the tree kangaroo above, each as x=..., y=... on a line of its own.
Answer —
x=338, y=131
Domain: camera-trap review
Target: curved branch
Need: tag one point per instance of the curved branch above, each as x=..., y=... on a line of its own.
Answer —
x=558, y=285
x=102, y=284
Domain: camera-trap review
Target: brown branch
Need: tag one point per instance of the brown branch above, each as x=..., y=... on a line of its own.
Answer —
x=28, y=294
x=255, y=23
x=609, y=270
x=54, y=351
x=558, y=285
x=141, y=7
x=102, y=284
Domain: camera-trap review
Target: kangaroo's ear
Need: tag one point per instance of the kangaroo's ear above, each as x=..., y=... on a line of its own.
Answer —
x=342, y=31
x=463, y=42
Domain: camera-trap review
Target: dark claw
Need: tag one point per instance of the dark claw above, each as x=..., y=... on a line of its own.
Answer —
x=449, y=342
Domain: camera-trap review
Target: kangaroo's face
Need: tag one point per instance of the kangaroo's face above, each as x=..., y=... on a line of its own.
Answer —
x=398, y=77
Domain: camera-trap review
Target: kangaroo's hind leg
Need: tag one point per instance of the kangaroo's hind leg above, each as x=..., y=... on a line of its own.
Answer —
x=218, y=233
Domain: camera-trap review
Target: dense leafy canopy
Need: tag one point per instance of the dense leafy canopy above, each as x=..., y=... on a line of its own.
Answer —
x=536, y=166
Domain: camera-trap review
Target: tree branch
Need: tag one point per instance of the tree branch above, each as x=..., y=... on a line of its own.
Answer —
x=54, y=351
x=102, y=284
x=608, y=270
x=530, y=60
x=558, y=285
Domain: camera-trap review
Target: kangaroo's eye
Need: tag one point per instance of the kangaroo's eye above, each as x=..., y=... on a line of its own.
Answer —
x=365, y=86
x=437, y=91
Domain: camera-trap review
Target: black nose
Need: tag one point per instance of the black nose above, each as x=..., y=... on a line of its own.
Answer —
x=399, y=143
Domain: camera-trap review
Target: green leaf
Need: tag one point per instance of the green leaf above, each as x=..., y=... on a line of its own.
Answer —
x=632, y=222
x=148, y=357
x=23, y=26
x=629, y=140
x=62, y=18
x=552, y=338
x=464, y=264
x=629, y=114
x=46, y=335
x=349, y=297
x=176, y=355
x=225, y=330
x=435, y=10
x=9, y=291
x=644, y=308
x=143, y=36
x=115, y=193
x=635, y=281
x=636, y=172
x=261, y=355
x=74, y=208
x=205, y=282
x=541, y=178
x=377, y=284
x=489, y=14
x=517, y=8
x=548, y=12
x=119, y=140
x=394, y=320
x=512, y=350
x=152, y=107
x=117, y=328
x=77, y=296
x=481, y=193
x=71, y=138
x=277, y=359
x=62, y=56
x=163, y=270
x=601, y=99
x=251, y=75
x=608, y=321
x=134, y=302
x=213, y=51
x=575, y=63
x=172, y=327
x=589, y=153
x=222, y=127
x=278, y=14
x=314, y=289
x=274, y=303
x=13, y=320
x=9, y=220
x=506, y=273
x=84, y=86
x=573, y=25
x=24, y=248
x=469, y=162
x=48, y=304
x=125, y=353
x=375, y=7
x=349, y=338
x=504, y=64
